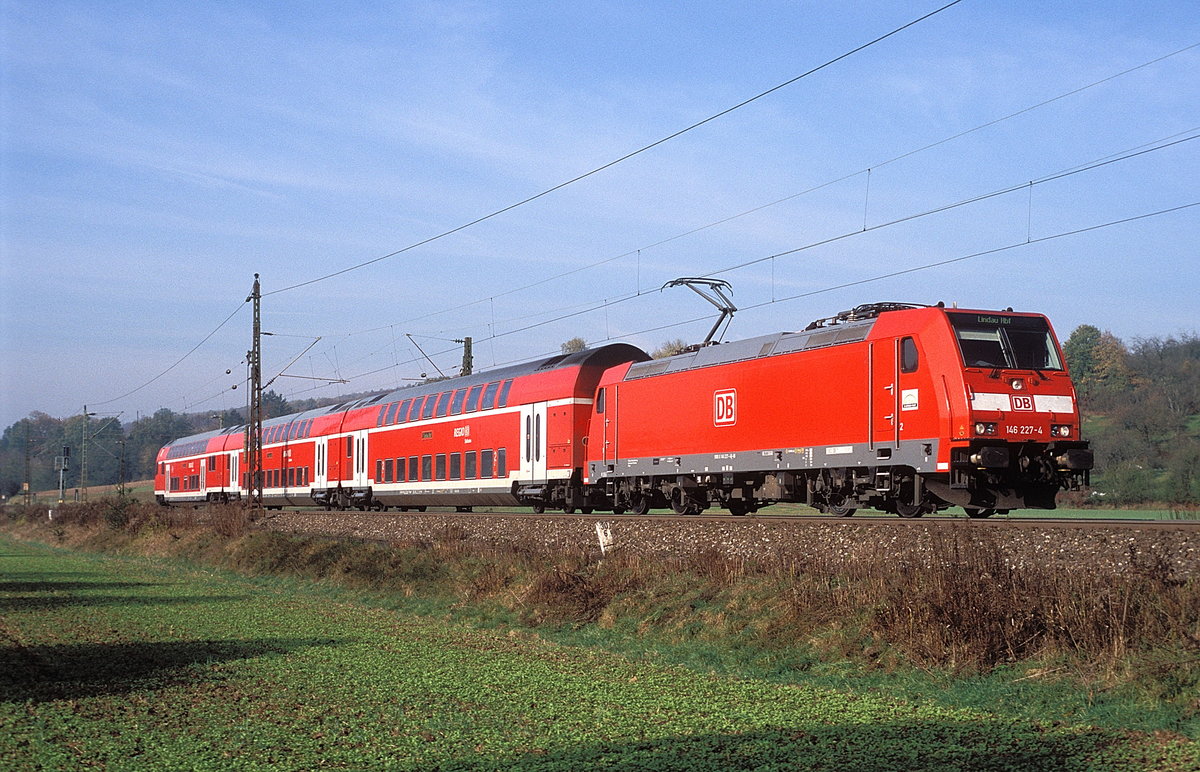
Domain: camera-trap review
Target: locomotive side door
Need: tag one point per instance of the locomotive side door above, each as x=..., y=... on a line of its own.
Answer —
x=893, y=396
x=533, y=441
x=884, y=394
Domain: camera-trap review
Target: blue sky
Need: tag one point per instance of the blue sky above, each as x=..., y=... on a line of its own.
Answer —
x=156, y=155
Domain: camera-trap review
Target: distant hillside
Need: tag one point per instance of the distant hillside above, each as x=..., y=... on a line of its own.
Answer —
x=1141, y=406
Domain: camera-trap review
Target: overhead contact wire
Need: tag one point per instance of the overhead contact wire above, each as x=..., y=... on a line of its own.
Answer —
x=622, y=159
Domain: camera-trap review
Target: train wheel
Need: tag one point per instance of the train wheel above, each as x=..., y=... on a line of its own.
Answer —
x=737, y=507
x=904, y=509
x=978, y=513
x=840, y=510
x=539, y=508
x=640, y=505
x=568, y=509
x=682, y=504
x=586, y=510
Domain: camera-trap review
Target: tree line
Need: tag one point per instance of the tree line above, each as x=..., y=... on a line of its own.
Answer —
x=1140, y=403
x=1141, y=411
x=114, y=451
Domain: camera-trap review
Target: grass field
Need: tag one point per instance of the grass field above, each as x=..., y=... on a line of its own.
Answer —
x=124, y=663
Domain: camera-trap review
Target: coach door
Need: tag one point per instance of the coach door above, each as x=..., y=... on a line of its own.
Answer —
x=533, y=441
x=355, y=472
x=320, y=464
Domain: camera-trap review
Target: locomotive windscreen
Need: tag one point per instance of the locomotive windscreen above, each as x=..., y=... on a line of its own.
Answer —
x=1010, y=342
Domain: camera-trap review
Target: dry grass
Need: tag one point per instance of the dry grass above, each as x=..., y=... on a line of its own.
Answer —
x=956, y=599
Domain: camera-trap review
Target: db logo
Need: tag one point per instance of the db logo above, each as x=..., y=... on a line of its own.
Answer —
x=1022, y=402
x=725, y=407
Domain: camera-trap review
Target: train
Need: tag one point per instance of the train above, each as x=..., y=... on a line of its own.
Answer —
x=904, y=408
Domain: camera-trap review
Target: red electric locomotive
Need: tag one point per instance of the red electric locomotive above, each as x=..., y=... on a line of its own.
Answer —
x=907, y=409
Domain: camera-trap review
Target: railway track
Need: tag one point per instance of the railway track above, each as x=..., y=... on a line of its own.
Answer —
x=858, y=519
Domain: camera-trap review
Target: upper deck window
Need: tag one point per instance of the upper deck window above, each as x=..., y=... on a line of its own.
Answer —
x=489, y=396
x=473, y=398
x=1010, y=342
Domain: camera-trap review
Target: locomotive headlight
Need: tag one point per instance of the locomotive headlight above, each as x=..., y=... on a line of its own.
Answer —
x=985, y=428
x=1060, y=430
x=1017, y=384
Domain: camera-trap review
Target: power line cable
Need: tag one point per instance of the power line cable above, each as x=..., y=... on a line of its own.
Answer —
x=578, y=310
x=792, y=196
x=178, y=362
x=623, y=158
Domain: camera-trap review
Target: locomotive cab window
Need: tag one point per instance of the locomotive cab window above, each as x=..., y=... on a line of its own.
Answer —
x=909, y=360
x=1009, y=342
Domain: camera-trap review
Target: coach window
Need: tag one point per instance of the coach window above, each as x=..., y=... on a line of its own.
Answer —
x=414, y=412
x=412, y=469
x=400, y=470
x=441, y=466
x=387, y=470
x=430, y=404
x=473, y=398
x=379, y=470
x=426, y=467
x=391, y=414
x=443, y=403
x=457, y=403
x=503, y=401
x=489, y=396
x=909, y=361
x=469, y=472
x=455, y=466
x=501, y=465
x=401, y=413
x=485, y=464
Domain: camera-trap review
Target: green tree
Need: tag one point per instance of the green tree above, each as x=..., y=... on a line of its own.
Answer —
x=573, y=345
x=147, y=435
x=670, y=348
x=1112, y=372
x=1080, y=351
x=274, y=405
